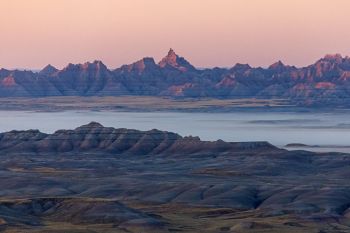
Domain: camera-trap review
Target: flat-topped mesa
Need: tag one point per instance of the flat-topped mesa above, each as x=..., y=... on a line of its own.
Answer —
x=91, y=125
x=333, y=57
x=333, y=62
x=96, y=65
x=145, y=64
x=96, y=138
x=241, y=67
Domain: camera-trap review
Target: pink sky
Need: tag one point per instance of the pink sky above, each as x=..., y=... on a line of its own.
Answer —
x=207, y=32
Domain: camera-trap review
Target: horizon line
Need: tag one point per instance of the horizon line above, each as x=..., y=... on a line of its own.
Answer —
x=35, y=70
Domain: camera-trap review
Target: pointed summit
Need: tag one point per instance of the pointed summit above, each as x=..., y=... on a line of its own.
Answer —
x=172, y=60
x=278, y=66
x=169, y=59
x=171, y=52
x=48, y=70
x=100, y=65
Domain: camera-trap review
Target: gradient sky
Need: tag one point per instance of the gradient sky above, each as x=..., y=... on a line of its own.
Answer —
x=207, y=32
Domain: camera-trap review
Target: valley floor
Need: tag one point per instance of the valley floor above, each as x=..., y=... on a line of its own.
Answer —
x=138, y=103
x=274, y=191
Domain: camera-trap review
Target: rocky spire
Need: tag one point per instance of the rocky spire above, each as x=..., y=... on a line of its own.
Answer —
x=48, y=70
x=172, y=60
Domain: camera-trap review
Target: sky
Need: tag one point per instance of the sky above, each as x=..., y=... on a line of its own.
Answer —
x=208, y=33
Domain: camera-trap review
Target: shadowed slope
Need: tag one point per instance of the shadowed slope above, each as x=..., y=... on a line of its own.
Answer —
x=94, y=137
x=99, y=179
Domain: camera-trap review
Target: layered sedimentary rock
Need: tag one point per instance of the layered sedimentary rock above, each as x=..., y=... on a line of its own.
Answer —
x=100, y=179
x=325, y=82
x=93, y=137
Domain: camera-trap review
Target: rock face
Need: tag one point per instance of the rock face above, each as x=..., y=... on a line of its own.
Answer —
x=172, y=60
x=48, y=70
x=99, y=179
x=326, y=82
x=94, y=137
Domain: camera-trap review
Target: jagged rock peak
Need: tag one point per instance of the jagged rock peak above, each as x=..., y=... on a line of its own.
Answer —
x=71, y=67
x=277, y=65
x=173, y=60
x=169, y=59
x=332, y=61
x=49, y=69
x=333, y=57
x=172, y=54
x=95, y=65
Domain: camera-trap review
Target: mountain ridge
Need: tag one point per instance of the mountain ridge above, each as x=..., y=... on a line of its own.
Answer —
x=94, y=137
x=326, y=82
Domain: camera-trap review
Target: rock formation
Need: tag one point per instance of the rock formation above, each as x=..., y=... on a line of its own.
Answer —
x=93, y=137
x=324, y=83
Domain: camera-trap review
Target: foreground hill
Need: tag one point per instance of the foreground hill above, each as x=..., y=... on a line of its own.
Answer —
x=98, y=179
x=325, y=82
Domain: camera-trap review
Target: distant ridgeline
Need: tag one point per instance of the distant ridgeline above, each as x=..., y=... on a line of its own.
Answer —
x=323, y=83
